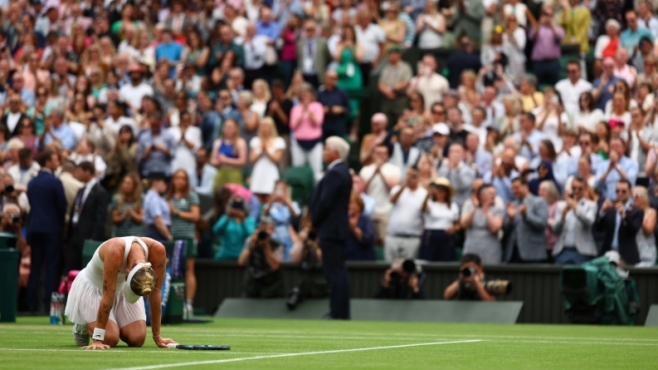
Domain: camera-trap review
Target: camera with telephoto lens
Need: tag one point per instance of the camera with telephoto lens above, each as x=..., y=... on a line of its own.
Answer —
x=400, y=274
x=15, y=218
x=262, y=235
x=9, y=188
x=495, y=287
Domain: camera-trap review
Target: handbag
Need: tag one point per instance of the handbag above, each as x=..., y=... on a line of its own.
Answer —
x=271, y=56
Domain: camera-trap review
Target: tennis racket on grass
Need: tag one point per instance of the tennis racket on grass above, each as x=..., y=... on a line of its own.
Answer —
x=199, y=347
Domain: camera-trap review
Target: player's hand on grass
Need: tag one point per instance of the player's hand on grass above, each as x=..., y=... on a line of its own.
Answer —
x=163, y=342
x=97, y=345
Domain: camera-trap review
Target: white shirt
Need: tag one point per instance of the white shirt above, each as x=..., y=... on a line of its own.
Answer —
x=431, y=88
x=122, y=121
x=12, y=120
x=406, y=215
x=440, y=216
x=133, y=94
x=570, y=93
x=588, y=121
x=370, y=39
x=377, y=188
x=254, y=51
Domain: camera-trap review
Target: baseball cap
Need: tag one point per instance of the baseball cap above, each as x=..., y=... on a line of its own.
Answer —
x=441, y=129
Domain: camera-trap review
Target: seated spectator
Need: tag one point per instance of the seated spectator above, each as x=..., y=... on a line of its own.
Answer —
x=262, y=257
x=470, y=285
x=156, y=148
x=525, y=224
x=641, y=137
x=283, y=212
x=405, y=226
x=157, y=214
x=573, y=223
x=646, y=242
x=459, y=174
x=631, y=36
x=233, y=229
x=618, y=167
x=28, y=136
x=266, y=151
x=483, y=220
x=401, y=281
x=126, y=208
x=621, y=221
x=229, y=155
x=360, y=242
x=441, y=216
x=204, y=175
x=306, y=120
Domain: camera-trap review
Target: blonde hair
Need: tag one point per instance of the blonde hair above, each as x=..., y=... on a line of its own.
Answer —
x=247, y=96
x=269, y=122
x=267, y=94
x=143, y=282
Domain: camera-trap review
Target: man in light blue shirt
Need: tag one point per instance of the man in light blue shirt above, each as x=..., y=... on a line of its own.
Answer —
x=529, y=136
x=266, y=26
x=586, y=146
x=156, y=148
x=157, y=215
x=618, y=167
x=630, y=37
x=501, y=176
x=283, y=9
x=18, y=84
x=56, y=130
x=170, y=50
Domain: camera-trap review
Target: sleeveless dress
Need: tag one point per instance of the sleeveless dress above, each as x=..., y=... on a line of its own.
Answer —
x=349, y=78
x=87, y=291
x=228, y=175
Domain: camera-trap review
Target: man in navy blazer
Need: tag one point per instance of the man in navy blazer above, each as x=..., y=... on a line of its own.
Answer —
x=329, y=215
x=45, y=227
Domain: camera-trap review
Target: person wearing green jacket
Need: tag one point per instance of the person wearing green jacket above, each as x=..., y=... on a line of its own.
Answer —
x=233, y=228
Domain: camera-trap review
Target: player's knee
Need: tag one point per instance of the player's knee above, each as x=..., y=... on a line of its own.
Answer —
x=111, y=340
x=135, y=340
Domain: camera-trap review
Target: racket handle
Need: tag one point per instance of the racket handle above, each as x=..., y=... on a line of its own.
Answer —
x=172, y=345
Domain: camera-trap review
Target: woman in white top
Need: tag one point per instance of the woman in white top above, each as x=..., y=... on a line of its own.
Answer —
x=188, y=139
x=261, y=97
x=517, y=9
x=86, y=152
x=619, y=109
x=514, y=40
x=646, y=241
x=106, y=296
x=588, y=116
x=430, y=27
x=441, y=222
x=551, y=119
x=622, y=87
x=266, y=151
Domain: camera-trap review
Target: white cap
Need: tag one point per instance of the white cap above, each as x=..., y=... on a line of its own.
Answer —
x=441, y=129
x=613, y=256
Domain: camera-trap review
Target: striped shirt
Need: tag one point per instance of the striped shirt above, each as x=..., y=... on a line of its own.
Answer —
x=183, y=229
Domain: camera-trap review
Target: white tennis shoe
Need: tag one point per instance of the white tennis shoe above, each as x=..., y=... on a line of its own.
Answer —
x=81, y=335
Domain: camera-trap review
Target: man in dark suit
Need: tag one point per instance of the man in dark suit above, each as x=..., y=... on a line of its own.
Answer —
x=44, y=230
x=621, y=221
x=87, y=218
x=329, y=215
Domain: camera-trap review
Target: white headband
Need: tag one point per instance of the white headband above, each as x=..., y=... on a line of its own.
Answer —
x=127, y=291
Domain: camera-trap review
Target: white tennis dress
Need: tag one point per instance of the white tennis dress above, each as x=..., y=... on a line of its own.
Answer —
x=87, y=291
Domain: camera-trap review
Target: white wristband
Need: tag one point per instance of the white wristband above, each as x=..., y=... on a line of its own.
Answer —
x=99, y=334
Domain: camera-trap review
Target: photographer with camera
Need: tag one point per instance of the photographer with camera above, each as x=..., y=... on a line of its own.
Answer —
x=471, y=285
x=9, y=194
x=307, y=254
x=262, y=257
x=11, y=223
x=401, y=281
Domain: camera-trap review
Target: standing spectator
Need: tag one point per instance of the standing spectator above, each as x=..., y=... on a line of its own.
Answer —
x=619, y=167
x=573, y=223
x=483, y=221
x=157, y=214
x=641, y=138
x=428, y=82
x=156, y=148
x=283, y=212
x=547, y=49
x=646, y=241
x=87, y=219
x=586, y=143
x=468, y=19
x=329, y=207
x=86, y=152
x=348, y=54
x=45, y=229
x=377, y=136
x=645, y=17
x=514, y=43
x=430, y=27
x=477, y=156
x=393, y=82
x=621, y=221
x=71, y=186
x=289, y=51
x=185, y=212
x=358, y=187
x=57, y=131
x=279, y=109
x=405, y=155
x=372, y=38
x=572, y=88
x=132, y=93
x=530, y=97
x=204, y=175
x=603, y=86
x=169, y=50
x=126, y=208
x=229, y=155
x=380, y=178
x=122, y=159
x=549, y=192
x=336, y=105
x=460, y=175
x=462, y=60
x=575, y=20
x=266, y=151
x=492, y=107
x=394, y=28
x=233, y=228
x=312, y=55
x=188, y=140
x=529, y=136
x=606, y=44
x=255, y=50
x=360, y=242
x=306, y=120
x=225, y=44
x=441, y=217
x=525, y=224
x=588, y=115
x=12, y=119
x=631, y=36
x=25, y=170
x=623, y=70
x=502, y=173
x=405, y=226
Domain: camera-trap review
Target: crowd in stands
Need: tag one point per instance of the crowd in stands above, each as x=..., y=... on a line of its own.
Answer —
x=492, y=153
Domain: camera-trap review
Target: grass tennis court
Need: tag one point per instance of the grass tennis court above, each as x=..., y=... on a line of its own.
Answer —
x=300, y=344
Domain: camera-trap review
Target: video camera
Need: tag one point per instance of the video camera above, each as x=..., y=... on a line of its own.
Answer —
x=494, y=287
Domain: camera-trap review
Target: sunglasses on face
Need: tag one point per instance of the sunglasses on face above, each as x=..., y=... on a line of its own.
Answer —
x=438, y=112
x=620, y=191
x=584, y=143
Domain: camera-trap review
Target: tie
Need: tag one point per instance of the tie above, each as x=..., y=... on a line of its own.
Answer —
x=309, y=46
x=77, y=206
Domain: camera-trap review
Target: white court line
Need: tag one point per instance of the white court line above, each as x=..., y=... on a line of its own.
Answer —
x=210, y=362
x=112, y=350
